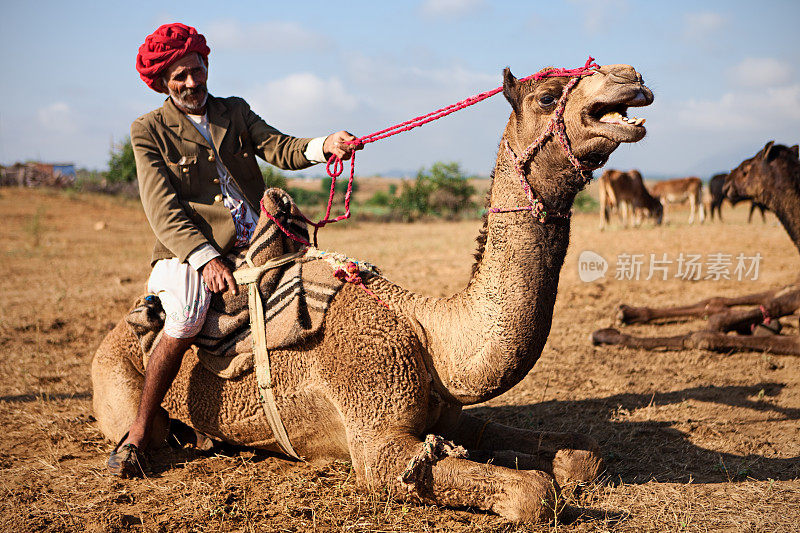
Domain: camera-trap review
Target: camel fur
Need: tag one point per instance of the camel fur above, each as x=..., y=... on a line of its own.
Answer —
x=374, y=381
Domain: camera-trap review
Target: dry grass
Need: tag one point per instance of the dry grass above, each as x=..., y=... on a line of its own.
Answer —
x=694, y=441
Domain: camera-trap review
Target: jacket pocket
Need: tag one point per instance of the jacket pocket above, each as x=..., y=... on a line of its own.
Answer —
x=186, y=172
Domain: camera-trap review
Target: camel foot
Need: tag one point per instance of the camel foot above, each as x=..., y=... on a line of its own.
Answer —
x=765, y=329
x=606, y=336
x=703, y=340
x=532, y=499
x=631, y=315
x=575, y=468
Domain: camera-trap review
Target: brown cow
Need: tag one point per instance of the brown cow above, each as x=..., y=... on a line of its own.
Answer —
x=626, y=192
x=678, y=191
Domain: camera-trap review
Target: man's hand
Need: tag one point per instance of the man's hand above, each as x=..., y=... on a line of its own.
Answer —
x=336, y=144
x=218, y=277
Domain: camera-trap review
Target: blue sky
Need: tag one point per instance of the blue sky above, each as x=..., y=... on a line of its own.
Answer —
x=725, y=74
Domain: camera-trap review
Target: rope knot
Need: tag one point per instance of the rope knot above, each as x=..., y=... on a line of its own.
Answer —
x=434, y=448
x=349, y=273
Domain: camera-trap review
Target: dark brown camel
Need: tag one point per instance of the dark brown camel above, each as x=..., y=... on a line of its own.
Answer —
x=771, y=178
x=715, y=195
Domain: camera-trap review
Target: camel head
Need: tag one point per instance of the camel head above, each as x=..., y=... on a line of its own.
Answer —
x=766, y=177
x=596, y=114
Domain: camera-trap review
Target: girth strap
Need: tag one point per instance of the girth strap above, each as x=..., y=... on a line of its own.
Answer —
x=251, y=277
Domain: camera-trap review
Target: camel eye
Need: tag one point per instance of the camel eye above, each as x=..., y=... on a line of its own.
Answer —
x=547, y=100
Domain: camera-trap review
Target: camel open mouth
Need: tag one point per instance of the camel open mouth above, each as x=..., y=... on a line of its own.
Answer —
x=612, y=120
x=614, y=114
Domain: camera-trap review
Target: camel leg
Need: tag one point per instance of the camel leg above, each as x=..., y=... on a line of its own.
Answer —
x=624, y=213
x=634, y=315
x=604, y=209
x=785, y=302
x=516, y=495
x=704, y=340
x=718, y=207
x=612, y=336
x=117, y=387
x=720, y=342
x=692, y=208
x=569, y=457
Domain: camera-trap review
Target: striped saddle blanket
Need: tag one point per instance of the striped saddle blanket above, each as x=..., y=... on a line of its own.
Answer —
x=295, y=296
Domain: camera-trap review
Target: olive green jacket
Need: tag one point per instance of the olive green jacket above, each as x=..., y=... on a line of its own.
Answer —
x=177, y=171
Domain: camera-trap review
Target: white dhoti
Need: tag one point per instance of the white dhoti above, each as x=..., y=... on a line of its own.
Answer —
x=183, y=294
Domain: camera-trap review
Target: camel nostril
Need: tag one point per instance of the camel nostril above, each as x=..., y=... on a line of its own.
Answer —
x=640, y=98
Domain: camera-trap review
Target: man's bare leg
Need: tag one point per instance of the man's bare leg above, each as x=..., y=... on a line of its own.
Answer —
x=161, y=370
x=127, y=460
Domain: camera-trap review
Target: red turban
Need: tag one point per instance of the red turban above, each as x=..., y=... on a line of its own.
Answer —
x=166, y=45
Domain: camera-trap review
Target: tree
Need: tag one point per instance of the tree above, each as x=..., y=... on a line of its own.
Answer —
x=341, y=184
x=122, y=165
x=274, y=177
x=442, y=190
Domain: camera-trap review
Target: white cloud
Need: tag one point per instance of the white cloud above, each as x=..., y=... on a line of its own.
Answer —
x=771, y=109
x=262, y=36
x=451, y=7
x=700, y=25
x=600, y=14
x=57, y=117
x=380, y=92
x=761, y=72
x=299, y=100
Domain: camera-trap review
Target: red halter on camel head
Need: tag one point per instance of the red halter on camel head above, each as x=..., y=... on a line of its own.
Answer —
x=163, y=47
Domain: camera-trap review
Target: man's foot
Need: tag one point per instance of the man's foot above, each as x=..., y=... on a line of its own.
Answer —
x=128, y=461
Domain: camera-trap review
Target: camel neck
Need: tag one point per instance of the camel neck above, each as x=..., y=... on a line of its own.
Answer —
x=485, y=339
x=787, y=209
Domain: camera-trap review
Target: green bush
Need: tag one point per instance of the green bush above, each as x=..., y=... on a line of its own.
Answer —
x=304, y=197
x=121, y=164
x=341, y=185
x=381, y=199
x=443, y=190
x=585, y=203
x=273, y=177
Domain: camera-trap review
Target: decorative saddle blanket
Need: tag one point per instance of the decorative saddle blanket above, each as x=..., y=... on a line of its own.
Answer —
x=295, y=295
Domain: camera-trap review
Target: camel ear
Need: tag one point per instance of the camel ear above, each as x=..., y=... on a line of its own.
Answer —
x=511, y=89
x=768, y=152
x=796, y=151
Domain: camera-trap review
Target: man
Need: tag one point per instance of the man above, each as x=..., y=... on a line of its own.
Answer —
x=200, y=187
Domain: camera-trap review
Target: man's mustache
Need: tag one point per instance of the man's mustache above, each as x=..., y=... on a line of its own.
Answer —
x=193, y=91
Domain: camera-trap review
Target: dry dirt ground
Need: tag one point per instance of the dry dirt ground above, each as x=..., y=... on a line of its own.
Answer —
x=694, y=441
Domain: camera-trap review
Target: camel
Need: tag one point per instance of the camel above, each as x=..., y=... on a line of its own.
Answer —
x=678, y=191
x=714, y=195
x=770, y=178
x=626, y=192
x=375, y=380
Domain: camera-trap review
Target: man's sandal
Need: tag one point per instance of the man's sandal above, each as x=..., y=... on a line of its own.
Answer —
x=128, y=461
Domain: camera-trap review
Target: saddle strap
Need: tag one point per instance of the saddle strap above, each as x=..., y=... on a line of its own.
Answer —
x=258, y=328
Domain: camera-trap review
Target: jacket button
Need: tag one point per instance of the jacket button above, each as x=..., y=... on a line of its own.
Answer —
x=216, y=180
x=218, y=198
x=244, y=154
x=211, y=158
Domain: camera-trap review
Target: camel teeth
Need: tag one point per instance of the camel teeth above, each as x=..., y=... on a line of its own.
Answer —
x=611, y=117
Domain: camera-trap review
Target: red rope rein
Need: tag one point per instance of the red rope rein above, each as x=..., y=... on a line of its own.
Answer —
x=335, y=165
